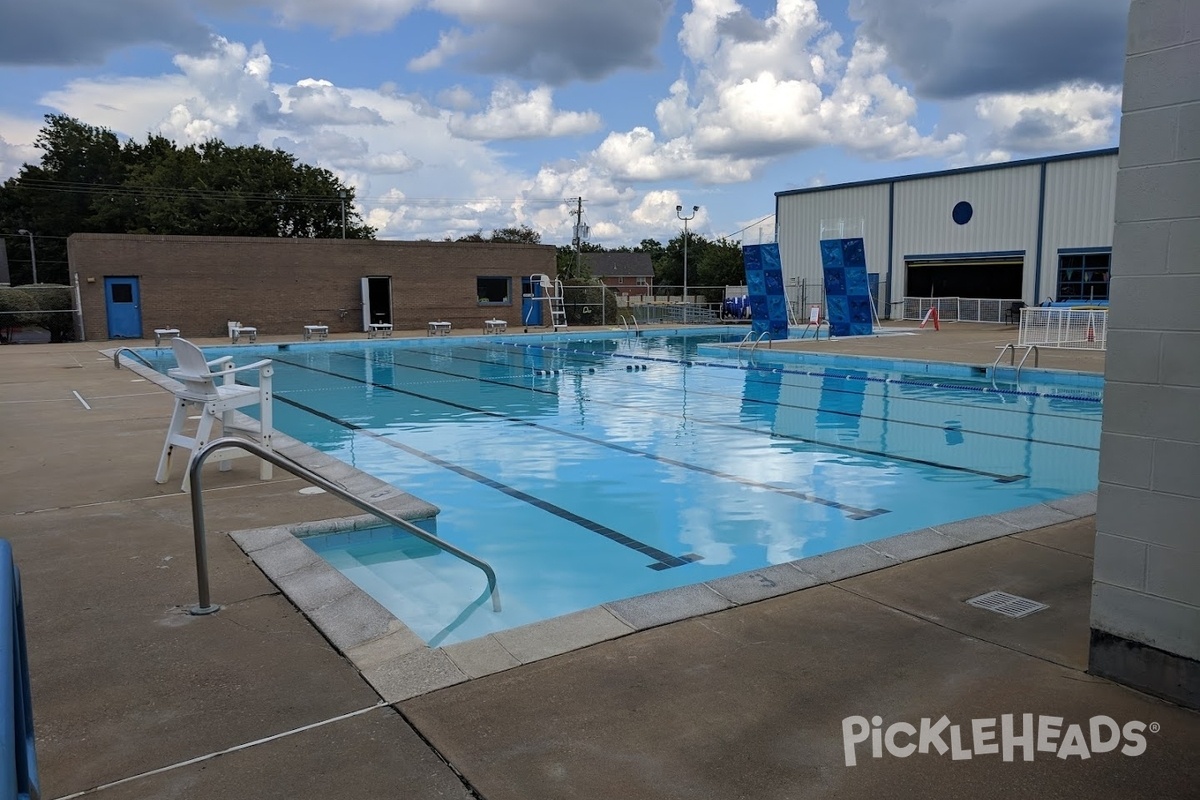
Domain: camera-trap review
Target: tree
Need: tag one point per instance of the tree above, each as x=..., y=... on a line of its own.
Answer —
x=572, y=264
x=719, y=265
x=87, y=181
x=519, y=235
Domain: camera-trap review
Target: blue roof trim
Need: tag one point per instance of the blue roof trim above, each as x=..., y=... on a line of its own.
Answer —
x=965, y=256
x=1077, y=251
x=1026, y=162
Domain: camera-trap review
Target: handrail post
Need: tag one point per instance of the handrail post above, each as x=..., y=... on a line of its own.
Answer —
x=204, y=604
x=132, y=352
x=300, y=471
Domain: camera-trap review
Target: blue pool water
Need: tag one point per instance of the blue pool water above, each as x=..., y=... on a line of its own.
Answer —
x=589, y=470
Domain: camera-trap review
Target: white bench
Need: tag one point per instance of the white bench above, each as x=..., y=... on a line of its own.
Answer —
x=237, y=330
x=494, y=326
x=321, y=332
x=161, y=333
x=439, y=328
x=379, y=329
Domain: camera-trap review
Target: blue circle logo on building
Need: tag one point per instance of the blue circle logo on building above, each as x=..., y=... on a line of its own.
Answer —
x=962, y=212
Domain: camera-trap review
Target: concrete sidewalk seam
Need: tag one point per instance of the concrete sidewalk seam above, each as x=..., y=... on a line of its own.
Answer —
x=226, y=751
x=950, y=629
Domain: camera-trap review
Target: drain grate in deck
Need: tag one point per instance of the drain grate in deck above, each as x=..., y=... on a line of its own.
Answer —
x=1007, y=604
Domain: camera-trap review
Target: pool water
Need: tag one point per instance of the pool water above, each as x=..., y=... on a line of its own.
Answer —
x=587, y=471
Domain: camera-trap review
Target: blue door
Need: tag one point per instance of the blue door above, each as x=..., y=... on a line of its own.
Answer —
x=531, y=302
x=123, y=306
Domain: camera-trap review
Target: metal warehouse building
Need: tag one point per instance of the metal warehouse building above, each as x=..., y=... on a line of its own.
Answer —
x=976, y=239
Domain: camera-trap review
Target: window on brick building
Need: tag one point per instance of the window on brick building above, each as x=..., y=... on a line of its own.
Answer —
x=493, y=291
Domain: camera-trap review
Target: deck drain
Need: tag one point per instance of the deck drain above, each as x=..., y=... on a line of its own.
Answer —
x=1007, y=604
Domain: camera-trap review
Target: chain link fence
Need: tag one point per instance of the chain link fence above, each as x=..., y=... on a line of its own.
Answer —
x=36, y=313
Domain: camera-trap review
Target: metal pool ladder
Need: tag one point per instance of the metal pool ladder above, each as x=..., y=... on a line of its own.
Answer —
x=1029, y=348
x=205, y=605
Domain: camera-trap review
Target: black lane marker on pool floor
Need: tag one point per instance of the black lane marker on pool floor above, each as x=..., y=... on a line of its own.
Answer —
x=852, y=512
x=997, y=477
x=662, y=560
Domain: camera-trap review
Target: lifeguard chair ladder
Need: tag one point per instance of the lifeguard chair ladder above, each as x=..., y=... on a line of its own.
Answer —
x=552, y=292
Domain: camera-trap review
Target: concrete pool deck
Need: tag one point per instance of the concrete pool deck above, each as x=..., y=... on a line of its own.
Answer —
x=747, y=701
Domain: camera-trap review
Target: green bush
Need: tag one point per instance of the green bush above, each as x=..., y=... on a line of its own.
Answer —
x=582, y=299
x=56, y=298
x=17, y=307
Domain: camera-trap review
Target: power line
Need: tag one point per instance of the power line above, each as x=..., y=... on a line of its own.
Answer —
x=748, y=227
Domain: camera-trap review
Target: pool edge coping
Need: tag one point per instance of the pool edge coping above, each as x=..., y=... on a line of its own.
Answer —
x=399, y=665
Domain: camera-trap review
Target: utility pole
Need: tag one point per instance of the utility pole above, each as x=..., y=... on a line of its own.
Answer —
x=342, y=195
x=580, y=233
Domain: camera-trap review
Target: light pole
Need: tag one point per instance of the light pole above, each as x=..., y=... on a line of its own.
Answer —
x=342, y=195
x=679, y=213
x=32, y=254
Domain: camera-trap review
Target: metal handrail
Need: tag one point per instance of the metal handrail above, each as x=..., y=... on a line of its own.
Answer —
x=1011, y=361
x=759, y=339
x=132, y=352
x=817, y=333
x=206, y=607
x=1032, y=348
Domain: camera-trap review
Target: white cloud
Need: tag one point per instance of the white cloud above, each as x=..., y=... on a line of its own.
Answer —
x=13, y=156
x=787, y=88
x=16, y=145
x=637, y=155
x=515, y=114
x=657, y=208
x=457, y=98
x=1066, y=118
x=767, y=87
x=233, y=97
x=313, y=101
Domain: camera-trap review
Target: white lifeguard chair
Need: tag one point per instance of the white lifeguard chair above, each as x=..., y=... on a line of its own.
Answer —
x=552, y=292
x=211, y=386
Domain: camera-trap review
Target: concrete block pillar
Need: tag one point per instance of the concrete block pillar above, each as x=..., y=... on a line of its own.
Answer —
x=1146, y=589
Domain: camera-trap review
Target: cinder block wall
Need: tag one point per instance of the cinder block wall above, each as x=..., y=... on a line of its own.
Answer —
x=1146, y=590
x=198, y=283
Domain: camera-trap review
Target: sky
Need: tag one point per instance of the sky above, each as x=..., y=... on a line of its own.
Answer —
x=455, y=116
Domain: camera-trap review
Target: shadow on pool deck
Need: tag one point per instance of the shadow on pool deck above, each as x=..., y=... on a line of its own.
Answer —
x=746, y=702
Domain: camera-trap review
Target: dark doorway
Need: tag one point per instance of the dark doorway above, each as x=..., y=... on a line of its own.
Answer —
x=979, y=278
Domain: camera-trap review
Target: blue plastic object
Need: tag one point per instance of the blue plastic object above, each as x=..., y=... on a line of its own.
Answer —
x=18, y=754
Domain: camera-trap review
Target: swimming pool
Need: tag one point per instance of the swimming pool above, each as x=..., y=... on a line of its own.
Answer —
x=589, y=470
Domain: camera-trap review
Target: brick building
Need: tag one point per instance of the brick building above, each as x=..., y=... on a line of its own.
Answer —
x=131, y=284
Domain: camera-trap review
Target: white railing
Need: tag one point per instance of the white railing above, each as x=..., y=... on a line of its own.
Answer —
x=1069, y=328
x=961, y=309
